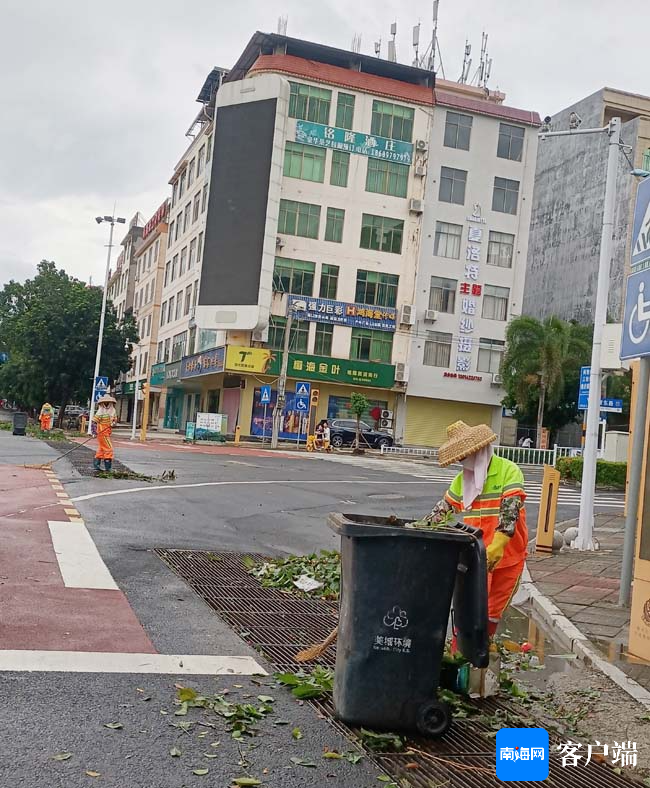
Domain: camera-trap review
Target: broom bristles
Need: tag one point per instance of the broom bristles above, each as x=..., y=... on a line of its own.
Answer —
x=314, y=652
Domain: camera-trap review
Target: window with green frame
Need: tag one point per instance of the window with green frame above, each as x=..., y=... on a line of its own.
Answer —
x=392, y=120
x=368, y=345
x=340, y=168
x=387, y=177
x=309, y=103
x=293, y=276
x=334, y=225
x=329, y=280
x=299, y=218
x=381, y=233
x=344, y=110
x=376, y=289
x=323, y=342
x=304, y=161
x=297, y=339
x=646, y=160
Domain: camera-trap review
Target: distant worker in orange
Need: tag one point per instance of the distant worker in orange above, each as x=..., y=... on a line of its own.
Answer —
x=45, y=417
x=489, y=494
x=102, y=426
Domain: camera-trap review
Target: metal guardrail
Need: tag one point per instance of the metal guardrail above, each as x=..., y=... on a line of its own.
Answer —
x=518, y=454
x=408, y=451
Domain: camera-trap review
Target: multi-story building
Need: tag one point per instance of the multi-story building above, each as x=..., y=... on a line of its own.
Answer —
x=471, y=270
x=148, y=282
x=568, y=201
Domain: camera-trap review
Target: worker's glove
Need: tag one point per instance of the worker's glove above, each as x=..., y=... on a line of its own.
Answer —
x=93, y=429
x=496, y=549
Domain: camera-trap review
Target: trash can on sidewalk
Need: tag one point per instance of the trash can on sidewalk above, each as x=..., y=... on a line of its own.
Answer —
x=397, y=586
x=20, y=423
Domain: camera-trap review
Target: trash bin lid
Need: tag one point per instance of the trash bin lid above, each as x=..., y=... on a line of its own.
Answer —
x=372, y=526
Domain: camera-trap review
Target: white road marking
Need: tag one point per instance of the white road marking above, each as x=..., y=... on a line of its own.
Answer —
x=107, y=662
x=80, y=563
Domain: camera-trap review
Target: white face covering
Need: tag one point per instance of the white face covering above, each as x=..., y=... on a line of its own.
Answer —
x=475, y=470
x=106, y=410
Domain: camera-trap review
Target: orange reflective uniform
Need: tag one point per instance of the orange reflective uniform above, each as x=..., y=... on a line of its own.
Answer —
x=104, y=424
x=45, y=417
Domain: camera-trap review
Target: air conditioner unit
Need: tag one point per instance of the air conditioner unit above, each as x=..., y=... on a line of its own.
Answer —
x=387, y=414
x=497, y=379
x=420, y=170
x=431, y=315
x=386, y=423
x=416, y=206
x=421, y=146
x=261, y=336
x=407, y=315
x=401, y=373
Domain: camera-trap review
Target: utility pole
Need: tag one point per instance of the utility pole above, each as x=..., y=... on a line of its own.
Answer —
x=282, y=381
x=136, y=391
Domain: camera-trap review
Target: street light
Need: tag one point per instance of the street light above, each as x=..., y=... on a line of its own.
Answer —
x=112, y=220
x=282, y=380
x=584, y=539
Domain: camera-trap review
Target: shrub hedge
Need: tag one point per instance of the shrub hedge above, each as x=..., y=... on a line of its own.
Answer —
x=608, y=474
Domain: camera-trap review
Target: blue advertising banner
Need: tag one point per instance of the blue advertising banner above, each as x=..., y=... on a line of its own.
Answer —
x=324, y=310
x=354, y=142
x=206, y=363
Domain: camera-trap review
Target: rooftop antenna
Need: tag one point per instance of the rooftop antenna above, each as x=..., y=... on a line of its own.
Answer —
x=356, y=43
x=283, y=21
x=416, y=44
x=434, y=37
x=467, y=63
x=392, y=52
x=488, y=71
x=483, y=61
x=378, y=47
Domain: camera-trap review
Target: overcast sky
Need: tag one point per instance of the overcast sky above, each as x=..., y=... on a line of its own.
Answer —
x=96, y=97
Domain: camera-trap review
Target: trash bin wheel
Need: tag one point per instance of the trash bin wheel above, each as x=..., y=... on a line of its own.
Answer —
x=434, y=719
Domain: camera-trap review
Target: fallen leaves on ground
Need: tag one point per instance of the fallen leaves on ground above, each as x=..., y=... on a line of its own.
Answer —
x=200, y=772
x=114, y=726
x=175, y=752
x=296, y=733
x=62, y=756
x=93, y=774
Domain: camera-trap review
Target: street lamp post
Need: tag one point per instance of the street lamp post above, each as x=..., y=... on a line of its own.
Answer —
x=112, y=220
x=584, y=539
x=282, y=380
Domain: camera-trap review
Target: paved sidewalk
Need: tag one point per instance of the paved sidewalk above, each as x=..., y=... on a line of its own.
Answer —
x=585, y=586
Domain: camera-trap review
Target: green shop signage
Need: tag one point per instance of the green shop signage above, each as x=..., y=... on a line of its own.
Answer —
x=157, y=374
x=354, y=142
x=129, y=388
x=336, y=370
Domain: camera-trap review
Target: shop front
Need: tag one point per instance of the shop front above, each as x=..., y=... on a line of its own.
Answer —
x=156, y=383
x=201, y=377
x=427, y=419
x=173, y=417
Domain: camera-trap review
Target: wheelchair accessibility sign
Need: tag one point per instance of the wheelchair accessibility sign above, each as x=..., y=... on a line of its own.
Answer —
x=636, y=322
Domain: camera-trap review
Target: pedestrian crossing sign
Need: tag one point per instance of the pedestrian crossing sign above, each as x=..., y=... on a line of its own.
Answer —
x=641, y=233
x=303, y=389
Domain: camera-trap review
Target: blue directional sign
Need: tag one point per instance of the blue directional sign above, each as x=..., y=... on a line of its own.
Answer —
x=636, y=319
x=610, y=405
x=641, y=233
x=101, y=386
x=583, y=391
x=265, y=395
x=303, y=389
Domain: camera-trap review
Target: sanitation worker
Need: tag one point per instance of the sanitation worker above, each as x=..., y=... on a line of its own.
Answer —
x=45, y=417
x=489, y=494
x=103, y=421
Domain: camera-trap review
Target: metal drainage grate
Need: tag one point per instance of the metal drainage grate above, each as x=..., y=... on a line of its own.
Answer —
x=279, y=625
x=82, y=458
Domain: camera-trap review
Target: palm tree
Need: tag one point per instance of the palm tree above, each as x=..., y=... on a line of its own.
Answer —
x=534, y=361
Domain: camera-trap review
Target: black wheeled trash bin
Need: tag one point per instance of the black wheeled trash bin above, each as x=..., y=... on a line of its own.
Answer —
x=397, y=586
x=20, y=423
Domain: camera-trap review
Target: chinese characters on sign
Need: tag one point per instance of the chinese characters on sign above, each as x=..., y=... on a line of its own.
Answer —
x=324, y=310
x=335, y=370
x=521, y=753
x=206, y=363
x=156, y=219
x=623, y=754
x=354, y=142
x=470, y=290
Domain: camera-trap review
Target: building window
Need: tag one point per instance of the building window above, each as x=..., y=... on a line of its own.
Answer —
x=368, y=345
x=442, y=294
x=392, y=120
x=304, y=161
x=447, y=240
x=344, y=110
x=200, y=160
x=160, y=356
x=495, y=302
x=452, y=185
x=195, y=297
x=170, y=313
x=181, y=269
x=309, y=103
x=646, y=160
x=149, y=325
x=334, y=225
x=163, y=313
x=170, y=235
x=166, y=353
x=376, y=289
x=299, y=218
x=323, y=341
x=181, y=186
x=191, y=342
x=500, y=249
x=174, y=193
x=186, y=216
x=179, y=224
x=199, y=248
x=208, y=149
x=381, y=233
x=437, y=349
x=190, y=173
x=179, y=305
x=204, y=200
x=293, y=276
x=297, y=339
x=387, y=177
x=490, y=353
x=340, y=168
x=505, y=195
x=511, y=142
x=188, y=299
x=197, y=206
x=178, y=346
x=458, y=129
x=174, y=267
x=192, y=257
x=329, y=280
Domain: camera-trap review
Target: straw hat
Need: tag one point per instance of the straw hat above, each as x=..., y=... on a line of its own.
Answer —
x=106, y=398
x=463, y=440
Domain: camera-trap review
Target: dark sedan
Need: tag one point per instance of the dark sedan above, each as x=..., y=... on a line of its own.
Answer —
x=344, y=431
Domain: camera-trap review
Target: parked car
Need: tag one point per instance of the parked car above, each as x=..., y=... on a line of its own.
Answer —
x=344, y=431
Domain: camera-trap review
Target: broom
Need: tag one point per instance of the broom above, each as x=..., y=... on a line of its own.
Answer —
x=314, y=652
x=46, y=466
